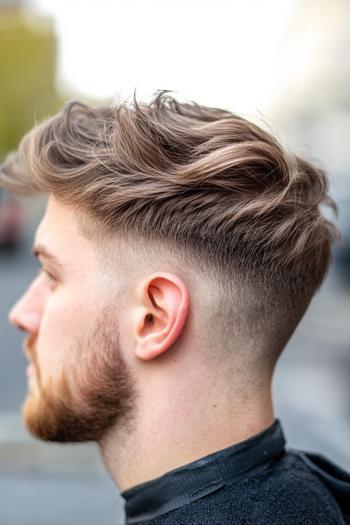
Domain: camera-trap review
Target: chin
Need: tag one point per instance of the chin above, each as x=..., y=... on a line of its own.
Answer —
x=92, y=394
x=53, y=413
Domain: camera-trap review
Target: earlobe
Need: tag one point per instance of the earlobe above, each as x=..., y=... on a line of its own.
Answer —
x=164, y=309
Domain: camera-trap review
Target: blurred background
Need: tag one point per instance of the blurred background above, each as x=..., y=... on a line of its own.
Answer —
x=282, y=63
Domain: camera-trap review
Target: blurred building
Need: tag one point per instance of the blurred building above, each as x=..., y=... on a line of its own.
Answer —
x=11, y=3
x=316, y=106
x=27, y=69
x=314, y=109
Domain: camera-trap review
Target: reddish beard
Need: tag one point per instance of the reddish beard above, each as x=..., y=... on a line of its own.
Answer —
x=94, y=392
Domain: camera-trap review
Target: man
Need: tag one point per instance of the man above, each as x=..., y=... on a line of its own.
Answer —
x=180, y=248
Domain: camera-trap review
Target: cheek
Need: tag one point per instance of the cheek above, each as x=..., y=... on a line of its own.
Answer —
x=66, y=319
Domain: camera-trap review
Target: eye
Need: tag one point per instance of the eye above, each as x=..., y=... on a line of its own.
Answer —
x=51, y=279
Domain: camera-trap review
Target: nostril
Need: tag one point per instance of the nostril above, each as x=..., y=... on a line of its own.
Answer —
x=13, y=319
x=26, y=321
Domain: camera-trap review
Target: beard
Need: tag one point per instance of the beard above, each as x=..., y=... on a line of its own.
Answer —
x=94, y=392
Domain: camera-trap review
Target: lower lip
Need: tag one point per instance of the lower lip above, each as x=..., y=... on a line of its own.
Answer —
x=31, y=370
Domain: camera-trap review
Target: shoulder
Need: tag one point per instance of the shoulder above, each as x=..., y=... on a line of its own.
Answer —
x=287, y=492
x=283, y=491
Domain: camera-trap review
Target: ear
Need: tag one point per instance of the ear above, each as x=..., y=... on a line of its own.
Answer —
x=163, y=305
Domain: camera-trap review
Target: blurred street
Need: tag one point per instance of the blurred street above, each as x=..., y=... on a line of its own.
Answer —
x=311, y=393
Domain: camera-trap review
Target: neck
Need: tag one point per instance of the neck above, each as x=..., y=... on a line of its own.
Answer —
x=167, y=435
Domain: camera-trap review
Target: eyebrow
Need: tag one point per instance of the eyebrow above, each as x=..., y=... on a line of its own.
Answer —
x=40, y=250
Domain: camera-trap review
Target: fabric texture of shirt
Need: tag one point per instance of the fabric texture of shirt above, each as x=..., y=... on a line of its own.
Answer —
x=256, y=482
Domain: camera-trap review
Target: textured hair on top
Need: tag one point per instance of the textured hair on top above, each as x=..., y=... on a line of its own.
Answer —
x=203, y=181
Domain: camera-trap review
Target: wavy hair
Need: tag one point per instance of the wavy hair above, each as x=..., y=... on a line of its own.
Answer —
x=204, y=181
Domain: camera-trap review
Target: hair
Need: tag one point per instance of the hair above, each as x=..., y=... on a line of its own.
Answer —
x=208, y=184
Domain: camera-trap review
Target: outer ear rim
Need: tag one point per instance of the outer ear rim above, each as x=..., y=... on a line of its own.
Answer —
x=177, y=327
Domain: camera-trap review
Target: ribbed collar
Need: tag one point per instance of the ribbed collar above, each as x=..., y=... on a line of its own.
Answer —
x=190, y=482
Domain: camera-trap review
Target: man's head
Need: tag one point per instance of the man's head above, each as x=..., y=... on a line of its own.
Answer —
x=153, y=208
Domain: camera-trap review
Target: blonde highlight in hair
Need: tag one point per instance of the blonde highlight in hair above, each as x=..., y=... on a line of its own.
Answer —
x=202, y=180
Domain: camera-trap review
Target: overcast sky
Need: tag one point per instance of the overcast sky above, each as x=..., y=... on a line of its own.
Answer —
x=221, y=52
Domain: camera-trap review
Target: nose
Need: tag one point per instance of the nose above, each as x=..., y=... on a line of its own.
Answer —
x=25, y=314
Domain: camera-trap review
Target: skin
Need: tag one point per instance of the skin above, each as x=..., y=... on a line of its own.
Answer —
x=120, y=355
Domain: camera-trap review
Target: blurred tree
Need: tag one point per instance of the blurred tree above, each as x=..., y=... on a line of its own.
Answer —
x=27, y=72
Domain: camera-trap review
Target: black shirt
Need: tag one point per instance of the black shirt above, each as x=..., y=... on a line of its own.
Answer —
x=255, y=482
